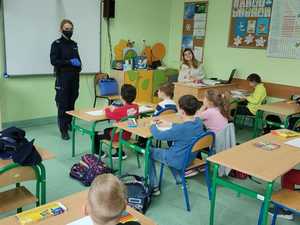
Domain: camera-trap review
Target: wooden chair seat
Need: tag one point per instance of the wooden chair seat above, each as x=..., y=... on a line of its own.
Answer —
x=16, y=198
x=196, y=163
x=288, y=198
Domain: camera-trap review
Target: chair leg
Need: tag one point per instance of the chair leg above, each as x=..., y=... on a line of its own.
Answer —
x=138, y=160
x=161, y=175
x=260, y=214
x=207, y=180
x=275, y=214
x=185, y=192
x=110, y=157
x=95, y=100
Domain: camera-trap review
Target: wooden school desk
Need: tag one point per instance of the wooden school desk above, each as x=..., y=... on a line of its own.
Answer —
x=142, y=130
x=9, y=165
x=74, y=204
x=92, y=120
x=198, y=91
x=256, y=162
x=285, y=109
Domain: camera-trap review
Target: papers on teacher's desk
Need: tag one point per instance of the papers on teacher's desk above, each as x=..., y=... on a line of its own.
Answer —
x=95, y=113
x=294, y=142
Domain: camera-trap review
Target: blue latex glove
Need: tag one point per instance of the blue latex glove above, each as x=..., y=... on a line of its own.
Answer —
x=75, y=62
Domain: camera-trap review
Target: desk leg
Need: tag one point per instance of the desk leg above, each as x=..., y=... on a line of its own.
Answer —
x=147, y=158
x=258, y=121
x=43, y=183
x=286, y=122
x=73, y=135
x=213, y=194
x=120, y=151
x=266, y=204
x=92, y=135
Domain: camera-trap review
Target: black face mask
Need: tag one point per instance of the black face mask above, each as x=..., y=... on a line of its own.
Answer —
x=68, y=34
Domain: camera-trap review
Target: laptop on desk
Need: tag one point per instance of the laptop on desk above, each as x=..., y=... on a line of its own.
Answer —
x=233, y=72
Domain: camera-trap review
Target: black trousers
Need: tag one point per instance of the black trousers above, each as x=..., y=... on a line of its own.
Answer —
x=67, y=91
x=242, y=109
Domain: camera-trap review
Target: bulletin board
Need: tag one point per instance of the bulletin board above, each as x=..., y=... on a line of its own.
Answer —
x=194, y=27
x=250, y=23
x=284, y=39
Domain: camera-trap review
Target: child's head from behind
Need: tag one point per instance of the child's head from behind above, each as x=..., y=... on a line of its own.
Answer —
x=254, y=79
x=128, y=93
x=188, y=105
x=166, y=91
x=213, y=98
x=106, y=200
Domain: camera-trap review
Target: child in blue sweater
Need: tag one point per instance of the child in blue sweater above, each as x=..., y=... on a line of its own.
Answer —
x=180, y=134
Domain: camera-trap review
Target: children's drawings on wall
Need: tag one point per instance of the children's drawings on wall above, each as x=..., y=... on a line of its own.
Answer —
x=250, y=23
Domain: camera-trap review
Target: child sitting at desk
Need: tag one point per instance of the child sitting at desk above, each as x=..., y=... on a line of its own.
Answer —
x=128, y=95
x=165, y=93
x=214, y=111
x=181, y=135
x=251, y=104
x=106, y=201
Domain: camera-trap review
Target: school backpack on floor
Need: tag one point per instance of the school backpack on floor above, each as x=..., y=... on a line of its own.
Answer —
x=138, y=193
x=14, y=145
x=88, y=168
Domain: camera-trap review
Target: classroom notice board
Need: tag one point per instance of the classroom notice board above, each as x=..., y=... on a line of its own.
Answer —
x=284, y=40
x=194, y=27
x=250, y=23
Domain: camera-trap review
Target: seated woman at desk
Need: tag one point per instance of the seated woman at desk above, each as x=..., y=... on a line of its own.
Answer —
x=191, y=69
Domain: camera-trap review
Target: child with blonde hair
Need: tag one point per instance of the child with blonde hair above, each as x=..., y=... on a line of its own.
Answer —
x=106, y=201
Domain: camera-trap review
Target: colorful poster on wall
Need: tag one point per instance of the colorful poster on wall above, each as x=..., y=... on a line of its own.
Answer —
x=187, y=41
x=250, y=23
x=194, y=27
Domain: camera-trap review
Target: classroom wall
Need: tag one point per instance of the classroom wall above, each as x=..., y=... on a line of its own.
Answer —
x=26, y=98
x=219, y=59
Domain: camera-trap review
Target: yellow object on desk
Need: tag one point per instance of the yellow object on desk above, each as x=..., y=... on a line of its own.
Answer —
x=285, y=133
x=41, y=213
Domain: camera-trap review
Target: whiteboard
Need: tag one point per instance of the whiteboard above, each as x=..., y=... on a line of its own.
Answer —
x=284, y=39
x=30, y=26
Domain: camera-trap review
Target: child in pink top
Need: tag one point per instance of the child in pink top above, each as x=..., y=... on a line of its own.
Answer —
x=214, y=111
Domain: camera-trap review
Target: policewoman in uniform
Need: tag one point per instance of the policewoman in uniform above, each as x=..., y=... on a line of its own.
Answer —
x=65, y=58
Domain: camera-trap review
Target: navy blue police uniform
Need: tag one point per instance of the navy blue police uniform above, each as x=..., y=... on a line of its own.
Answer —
x=63, y=51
